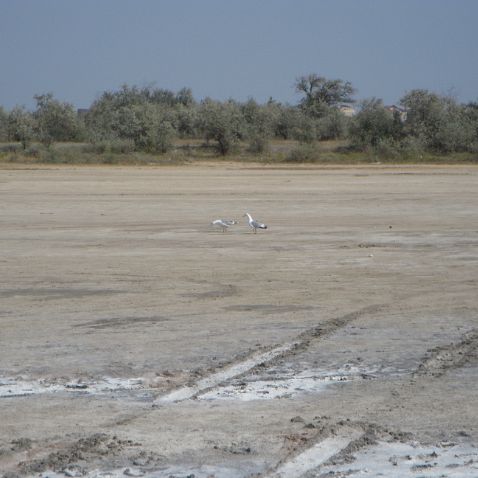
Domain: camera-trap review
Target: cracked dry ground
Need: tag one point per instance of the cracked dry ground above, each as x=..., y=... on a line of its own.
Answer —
x=137, y=341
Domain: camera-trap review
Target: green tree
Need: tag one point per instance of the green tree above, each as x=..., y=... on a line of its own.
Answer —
x=3, y=124
x=258, y=125
x=333, y=125
x=424, y=115
x=55, y=120
x=305, y=129
x=439, y=122
x=185, y=97
x=286, y=120
x=372, y=124
x=186, y=120
x=221, y=122
x=471, y=115
x=149, y=117
x=320, y=94
x=149, y=126
x=156, y=128
x=20, y=126
x=456, y=131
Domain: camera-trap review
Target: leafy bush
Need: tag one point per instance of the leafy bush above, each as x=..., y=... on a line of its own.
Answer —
x=3, y=125
x=303, y=153
x=372, y=125
x=147, y=121
x=439, y=122
x=33, y=152
x=21, y=126
x=55, y=121
x=305, y=129
x=10, y=148
x=116, y=146
x=412, y=147
x=223, y=123
x=332, y=126
x=387, y=148
x=258, y=145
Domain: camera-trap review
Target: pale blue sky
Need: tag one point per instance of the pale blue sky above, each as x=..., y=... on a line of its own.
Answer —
x=77, y=49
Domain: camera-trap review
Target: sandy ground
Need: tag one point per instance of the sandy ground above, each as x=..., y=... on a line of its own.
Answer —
x=137, y=340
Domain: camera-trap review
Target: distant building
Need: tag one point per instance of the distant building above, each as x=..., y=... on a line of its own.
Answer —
x=402, y=112
x=347, y=110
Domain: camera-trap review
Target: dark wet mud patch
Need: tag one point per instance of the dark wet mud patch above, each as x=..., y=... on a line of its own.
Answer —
x=226, y=291
x=56, y=293
x=121, y=322
x=81, y=454
x=267, y=308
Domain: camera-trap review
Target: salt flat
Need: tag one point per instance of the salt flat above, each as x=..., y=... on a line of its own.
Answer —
x=355, y=314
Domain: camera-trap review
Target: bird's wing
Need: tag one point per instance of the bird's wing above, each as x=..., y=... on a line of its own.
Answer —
x=219, y=222
x=257, y=224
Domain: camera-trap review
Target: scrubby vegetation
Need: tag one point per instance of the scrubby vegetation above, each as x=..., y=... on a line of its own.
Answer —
x=154, y=125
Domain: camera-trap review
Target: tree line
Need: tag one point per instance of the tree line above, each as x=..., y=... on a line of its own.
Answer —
x=151, y=119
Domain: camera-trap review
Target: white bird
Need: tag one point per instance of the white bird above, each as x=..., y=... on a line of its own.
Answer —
x=254, y=224
x=223, y=223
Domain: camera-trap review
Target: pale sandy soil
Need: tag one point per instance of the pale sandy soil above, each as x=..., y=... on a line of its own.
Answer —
x=136, y=340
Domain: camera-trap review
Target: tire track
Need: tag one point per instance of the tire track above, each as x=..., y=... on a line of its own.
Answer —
x=335, y=442
x=450, y=356
x=215, y=379
x=259, y=361
x=316, y=455
x=435, y=364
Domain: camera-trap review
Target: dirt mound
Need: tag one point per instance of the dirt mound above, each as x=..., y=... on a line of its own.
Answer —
x=79, y=454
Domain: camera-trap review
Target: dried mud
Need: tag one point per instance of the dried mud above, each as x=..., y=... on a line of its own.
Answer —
x=137, y=341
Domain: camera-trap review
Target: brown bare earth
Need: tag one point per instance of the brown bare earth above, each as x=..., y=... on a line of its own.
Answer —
x=138, y=340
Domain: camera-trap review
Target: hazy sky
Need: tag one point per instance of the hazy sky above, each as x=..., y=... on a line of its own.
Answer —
x=77, y=49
